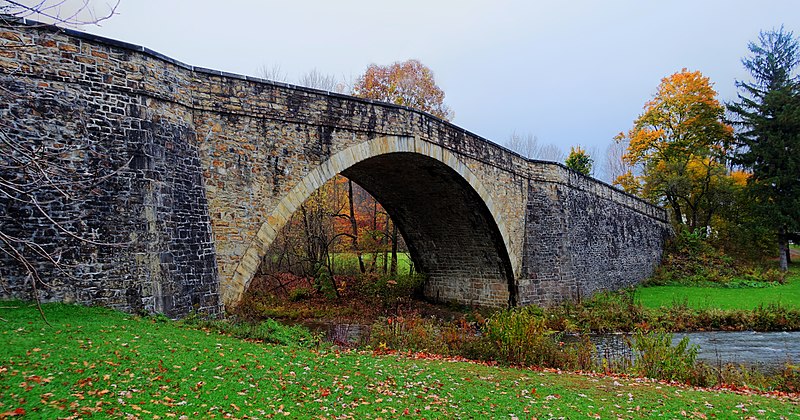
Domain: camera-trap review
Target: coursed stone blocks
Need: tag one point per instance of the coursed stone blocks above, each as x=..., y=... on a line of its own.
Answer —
x=219, y=162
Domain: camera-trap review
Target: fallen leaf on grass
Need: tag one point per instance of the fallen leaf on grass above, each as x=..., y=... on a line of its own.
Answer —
x=13, y=413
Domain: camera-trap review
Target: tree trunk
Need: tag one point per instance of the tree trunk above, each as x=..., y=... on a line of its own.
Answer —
x=394, y=249
x=354, y=227
x=384, y=241
x=329, y=268
x=676, y=210
x=783, y=248
x=311, y=270
x=374, y=266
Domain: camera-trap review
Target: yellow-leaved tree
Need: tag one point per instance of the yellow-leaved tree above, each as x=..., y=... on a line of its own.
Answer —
x=409, y=83
x=678, y=148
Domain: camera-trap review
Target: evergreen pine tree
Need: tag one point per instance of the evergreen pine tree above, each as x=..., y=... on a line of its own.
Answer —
x=767, y=115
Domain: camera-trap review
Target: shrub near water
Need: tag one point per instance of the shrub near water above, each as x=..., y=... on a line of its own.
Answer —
x=775, y=317
x=605, y=312
x=514, y=337
x=518, y=337
x=408, y=333
x=657, y=358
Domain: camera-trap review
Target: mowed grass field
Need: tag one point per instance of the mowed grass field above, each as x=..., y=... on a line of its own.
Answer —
x=787, y=295
x=97, y=362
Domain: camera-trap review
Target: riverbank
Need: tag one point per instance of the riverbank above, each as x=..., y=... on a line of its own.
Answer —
x=403, y=323
x=673, y=308
x=748, y=302
x=95, y=361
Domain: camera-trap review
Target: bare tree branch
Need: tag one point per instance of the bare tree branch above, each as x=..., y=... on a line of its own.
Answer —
x=46, y=168
x=59, y=12
x=274, y=73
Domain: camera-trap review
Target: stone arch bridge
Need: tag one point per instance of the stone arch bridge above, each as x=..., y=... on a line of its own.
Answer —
x=207, y=167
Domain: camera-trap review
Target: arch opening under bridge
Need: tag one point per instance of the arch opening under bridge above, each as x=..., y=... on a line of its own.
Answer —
x=439, y=205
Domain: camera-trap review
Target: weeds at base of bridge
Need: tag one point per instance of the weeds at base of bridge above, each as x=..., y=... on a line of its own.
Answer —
x=397, y=320
x=523, y=337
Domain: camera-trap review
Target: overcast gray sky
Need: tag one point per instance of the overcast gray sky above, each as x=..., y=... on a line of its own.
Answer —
x=570, y=72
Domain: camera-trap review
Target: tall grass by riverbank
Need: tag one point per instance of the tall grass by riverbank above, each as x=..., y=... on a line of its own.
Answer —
x=534, y=336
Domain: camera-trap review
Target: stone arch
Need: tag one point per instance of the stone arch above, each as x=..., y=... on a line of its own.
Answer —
x=347, y=159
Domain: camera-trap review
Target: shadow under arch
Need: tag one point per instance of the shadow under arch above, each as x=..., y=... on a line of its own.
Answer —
x=439, y=205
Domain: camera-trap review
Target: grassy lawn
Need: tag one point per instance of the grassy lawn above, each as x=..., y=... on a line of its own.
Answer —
x=97, y=361
x=787, y=294
x=347, y=262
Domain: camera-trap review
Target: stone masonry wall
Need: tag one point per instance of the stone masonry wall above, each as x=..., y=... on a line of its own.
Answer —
x=207, y=161
x=135, y=183
x=579, y=241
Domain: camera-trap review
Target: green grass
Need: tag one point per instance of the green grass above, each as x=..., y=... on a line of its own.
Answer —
x=347, y=262
x=787, y=294
x=99, y=362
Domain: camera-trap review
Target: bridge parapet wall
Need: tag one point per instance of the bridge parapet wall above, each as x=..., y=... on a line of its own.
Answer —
x=552, y=172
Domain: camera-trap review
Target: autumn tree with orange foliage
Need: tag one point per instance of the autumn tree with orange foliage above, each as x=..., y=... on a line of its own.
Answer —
x=409, y=83
x=678, y=145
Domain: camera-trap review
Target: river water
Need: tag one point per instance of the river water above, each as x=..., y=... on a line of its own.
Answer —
x=770, y=349
x=765, y=351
